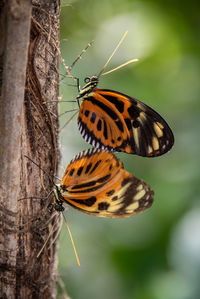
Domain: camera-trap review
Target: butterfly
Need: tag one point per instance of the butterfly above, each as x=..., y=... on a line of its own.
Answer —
x=96, y=183
x=115, y=121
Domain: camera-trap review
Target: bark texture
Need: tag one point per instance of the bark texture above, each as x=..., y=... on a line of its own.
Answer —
x=28, y=126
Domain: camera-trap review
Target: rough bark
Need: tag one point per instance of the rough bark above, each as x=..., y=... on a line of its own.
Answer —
x=28, y=126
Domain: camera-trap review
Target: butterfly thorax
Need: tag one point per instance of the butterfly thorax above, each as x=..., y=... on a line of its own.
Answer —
x=91, y=83
x=58, y=199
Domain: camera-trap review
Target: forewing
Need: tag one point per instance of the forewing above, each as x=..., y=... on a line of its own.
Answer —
x=133, y=127
x=101, y=124
x=96, y=183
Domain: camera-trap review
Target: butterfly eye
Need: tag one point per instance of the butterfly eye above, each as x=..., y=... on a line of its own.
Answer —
x=87, y=80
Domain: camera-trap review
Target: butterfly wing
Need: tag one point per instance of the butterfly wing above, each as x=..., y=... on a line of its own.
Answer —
x=101, y=124
x=113, y=120
x=96, y=183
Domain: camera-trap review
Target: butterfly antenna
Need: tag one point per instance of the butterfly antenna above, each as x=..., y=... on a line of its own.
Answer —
x=120, y=66
x=113, y=53
x=42, y=169
x=74, y=247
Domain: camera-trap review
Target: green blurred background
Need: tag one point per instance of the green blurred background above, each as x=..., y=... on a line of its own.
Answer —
x=155, y=255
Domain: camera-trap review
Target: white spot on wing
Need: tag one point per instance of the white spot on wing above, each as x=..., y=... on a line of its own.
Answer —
x=131, y=208
x=160, y=125
x=150, y=150
x=139, y=195
x=158, y=130
x=136, y=136
x=139, y=187
x=142, y=117
x=155, y=143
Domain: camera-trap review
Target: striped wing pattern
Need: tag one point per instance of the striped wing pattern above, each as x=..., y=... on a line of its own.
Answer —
x=117, y=122
x=96, y=183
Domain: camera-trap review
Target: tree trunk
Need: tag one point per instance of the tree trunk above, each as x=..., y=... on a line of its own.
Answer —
x=28, y=126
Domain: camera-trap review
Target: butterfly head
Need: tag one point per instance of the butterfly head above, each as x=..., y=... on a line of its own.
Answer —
x=91, y=82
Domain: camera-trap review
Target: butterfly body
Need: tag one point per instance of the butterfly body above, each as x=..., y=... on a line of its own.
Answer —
x=96, y=183
x=115, y=121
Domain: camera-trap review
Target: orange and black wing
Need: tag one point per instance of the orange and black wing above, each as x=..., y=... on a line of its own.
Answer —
x=96, y=183
x=117, y=122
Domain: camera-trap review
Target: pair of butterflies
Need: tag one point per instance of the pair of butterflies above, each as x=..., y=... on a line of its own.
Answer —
x=95, y=181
